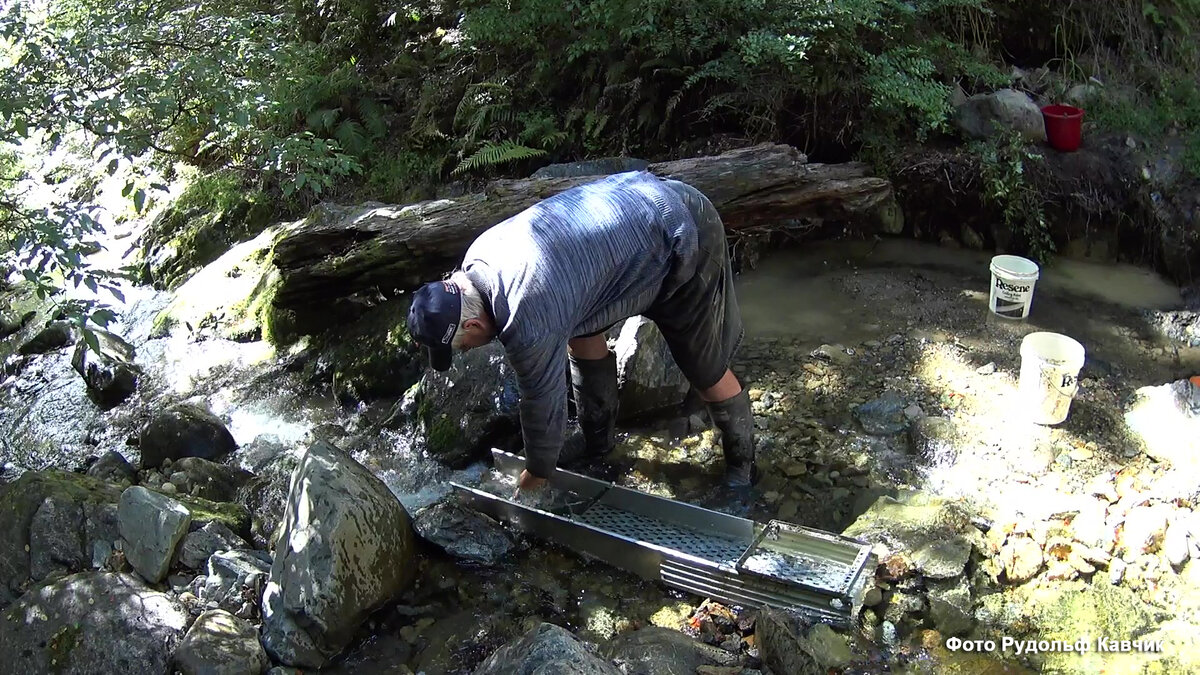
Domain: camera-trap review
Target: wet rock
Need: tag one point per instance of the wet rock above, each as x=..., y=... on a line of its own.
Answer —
x=604, y=166
x=471, y=407
x=902, y=604
x=883, y=416
x=56, y=537
x=184, y=430
x=198, y=546
x=463, y=533
x=92, y=622
x=101, y=532
x=114, y=468
x=934, y=439
x=234, y=578
x=545, y=649
x=219, y=643
x=936, y=534
x=21, y=500
x=836, y=354
x=111, y=373
x=1144, y=529
x=57, y=335
x=782, y=645
x=345, y=550
x=653, y=650
x=985, y=115
x=1167, y=418
x=1022, y=559
x=209, y=480
x=265, y=495
x=151, y=526
x=649, y=382
x=260, y=453
x=951, y=607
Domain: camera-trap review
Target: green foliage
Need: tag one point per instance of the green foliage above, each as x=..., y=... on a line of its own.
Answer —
x=1004, y=164
x=495, y=154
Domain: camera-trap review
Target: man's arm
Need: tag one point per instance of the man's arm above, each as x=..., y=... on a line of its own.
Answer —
x=541, y=373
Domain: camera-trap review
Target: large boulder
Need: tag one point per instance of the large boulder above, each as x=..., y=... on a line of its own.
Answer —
x=1167, y=418
x=655, y=650
x=346, y=549
x=936, y=534
x=649, y=382
x=463, y=533
x=184, y=430
x=92, y=622
x=114, y=468
x=56, y=335
x=202, y=478
x=151, y=526
x=545, y=649
x=985, y=115
x=470, y=407
x=40, y=522
x=56, y=537
x=221, y=644
x=110, y=373
x=265, y=495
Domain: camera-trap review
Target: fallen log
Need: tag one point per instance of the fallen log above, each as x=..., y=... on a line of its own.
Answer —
x=340, y=253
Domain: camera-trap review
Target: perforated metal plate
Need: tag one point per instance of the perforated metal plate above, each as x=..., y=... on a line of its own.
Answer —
x=715, y=548
x=801, y=569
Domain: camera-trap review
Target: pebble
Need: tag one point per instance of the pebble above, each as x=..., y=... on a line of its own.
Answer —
x=795, y=469
x=1081, y=454
x=986, y=369
x=873, y=597
x=1116, y=571
x=888, y=632
x=168, y=488
x=1175, y=545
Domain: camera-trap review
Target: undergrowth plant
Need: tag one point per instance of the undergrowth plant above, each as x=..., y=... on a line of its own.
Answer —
x=1004, y=163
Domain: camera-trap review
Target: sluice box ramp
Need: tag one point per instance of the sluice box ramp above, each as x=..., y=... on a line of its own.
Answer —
x=687, y=547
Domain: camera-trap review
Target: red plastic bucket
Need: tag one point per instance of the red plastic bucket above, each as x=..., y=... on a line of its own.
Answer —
x=1064, y=126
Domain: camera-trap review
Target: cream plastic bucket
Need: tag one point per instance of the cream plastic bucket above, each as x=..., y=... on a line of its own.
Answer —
x=1013, y=278
x=1050, y=365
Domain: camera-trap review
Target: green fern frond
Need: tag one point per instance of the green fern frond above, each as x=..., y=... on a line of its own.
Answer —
x=371, y=113
x=495, y=154
x=352, y=137
x=322, y=120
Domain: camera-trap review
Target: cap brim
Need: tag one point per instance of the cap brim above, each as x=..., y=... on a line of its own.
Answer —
x=439, y=357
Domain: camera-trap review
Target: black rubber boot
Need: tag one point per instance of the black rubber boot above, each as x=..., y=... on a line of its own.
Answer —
x=594, y=385
x=734, y=418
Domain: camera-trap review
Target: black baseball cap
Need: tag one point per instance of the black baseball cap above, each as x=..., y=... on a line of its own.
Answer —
x=433, y=320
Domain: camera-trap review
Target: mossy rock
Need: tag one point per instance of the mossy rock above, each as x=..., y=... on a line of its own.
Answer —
x=20, y=500
x=192, y=233
x=370, y=357
x=232, y=297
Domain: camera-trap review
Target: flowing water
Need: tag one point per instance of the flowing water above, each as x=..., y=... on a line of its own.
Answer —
x=842, y=292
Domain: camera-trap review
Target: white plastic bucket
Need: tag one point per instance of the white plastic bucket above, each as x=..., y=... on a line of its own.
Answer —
x=1050, y=365
x=1013, y=278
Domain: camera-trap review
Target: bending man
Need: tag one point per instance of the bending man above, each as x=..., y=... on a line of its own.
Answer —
x=550, y=281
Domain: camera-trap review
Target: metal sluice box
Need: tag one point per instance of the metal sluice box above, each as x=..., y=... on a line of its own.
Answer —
x=694, y=549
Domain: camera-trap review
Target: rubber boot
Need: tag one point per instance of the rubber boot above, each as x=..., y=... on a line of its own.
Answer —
x=734, y=418
x=594, y=385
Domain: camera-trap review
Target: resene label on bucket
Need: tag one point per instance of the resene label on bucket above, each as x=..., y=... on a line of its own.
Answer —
x=1012, y=291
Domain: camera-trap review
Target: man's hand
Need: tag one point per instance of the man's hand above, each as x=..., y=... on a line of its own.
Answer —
x=529, y=482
